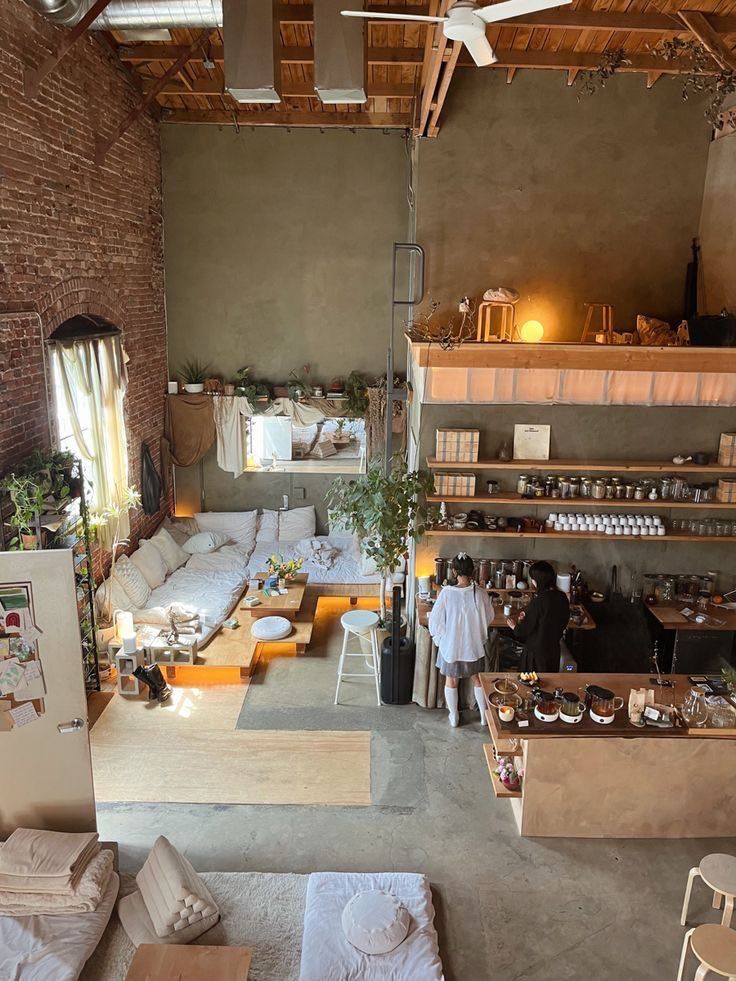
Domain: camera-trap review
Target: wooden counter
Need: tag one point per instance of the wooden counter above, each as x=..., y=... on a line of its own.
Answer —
x=669, y=616
x=586, y=780
x=499, y=620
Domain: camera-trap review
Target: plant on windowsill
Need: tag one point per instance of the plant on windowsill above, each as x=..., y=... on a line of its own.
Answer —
x=109, y=519
x=193, y=374
x=298, y=386
x=57, y=474
x=386, y=512
x=26, y=496
x=356, y=391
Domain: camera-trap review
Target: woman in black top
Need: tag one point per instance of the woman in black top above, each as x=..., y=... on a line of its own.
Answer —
x=541, y=627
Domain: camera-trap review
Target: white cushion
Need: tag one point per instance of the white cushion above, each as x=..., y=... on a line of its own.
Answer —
x=239, y=526
x=131, y=579
x=180, y=528
x=173, y=554
x=151, y=563
x=271, y=628
x=267, y=528
x=111, y=596
x=204, y=542
x=375, y=922
x=297, y=524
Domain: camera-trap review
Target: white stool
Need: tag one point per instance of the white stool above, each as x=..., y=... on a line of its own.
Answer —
x=715, y=948
x=718, y=872
x=359, y=623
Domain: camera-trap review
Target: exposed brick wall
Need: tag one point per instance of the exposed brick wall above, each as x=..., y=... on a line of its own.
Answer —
x=75, y=237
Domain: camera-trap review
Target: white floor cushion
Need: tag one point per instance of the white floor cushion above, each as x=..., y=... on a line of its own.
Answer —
x=271, y=628
x=375, y=922
x=326, y=953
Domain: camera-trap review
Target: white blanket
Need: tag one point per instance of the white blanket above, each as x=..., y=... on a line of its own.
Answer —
x=316, y=550
x=53, y=948
x=345, y=568
x=327, y=955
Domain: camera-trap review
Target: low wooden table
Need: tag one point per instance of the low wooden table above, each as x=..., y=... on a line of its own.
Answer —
x=189, y=962
x=282, y=606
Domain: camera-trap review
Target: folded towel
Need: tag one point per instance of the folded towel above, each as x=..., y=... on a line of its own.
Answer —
x=30, y=855
x=85, y=899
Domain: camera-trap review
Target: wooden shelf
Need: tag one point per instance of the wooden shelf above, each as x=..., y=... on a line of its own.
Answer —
x=583, y=466
x=498, y=788
x=578, y=536
x=568, y=503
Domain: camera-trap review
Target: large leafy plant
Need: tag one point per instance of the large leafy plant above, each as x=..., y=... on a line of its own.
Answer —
x=386, y=511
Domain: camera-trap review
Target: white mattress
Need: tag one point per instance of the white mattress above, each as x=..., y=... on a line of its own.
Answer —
x=212, y=592
x=327, y=955
x=344, y=569
x=52, y=948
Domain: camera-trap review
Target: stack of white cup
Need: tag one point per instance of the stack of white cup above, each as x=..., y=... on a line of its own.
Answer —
x=623, y=525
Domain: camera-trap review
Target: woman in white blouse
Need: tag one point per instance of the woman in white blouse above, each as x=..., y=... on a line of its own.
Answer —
x=458, y=624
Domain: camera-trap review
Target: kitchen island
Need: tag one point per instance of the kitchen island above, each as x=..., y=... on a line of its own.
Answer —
x=587, y=780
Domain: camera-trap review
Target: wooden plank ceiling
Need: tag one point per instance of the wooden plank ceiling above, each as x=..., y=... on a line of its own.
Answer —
x=410, y=66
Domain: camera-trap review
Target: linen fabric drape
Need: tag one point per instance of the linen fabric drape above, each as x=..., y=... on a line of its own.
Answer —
x=94, y=379
x=189, y=430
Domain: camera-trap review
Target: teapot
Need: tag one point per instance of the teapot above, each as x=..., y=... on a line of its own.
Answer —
x=601, y=703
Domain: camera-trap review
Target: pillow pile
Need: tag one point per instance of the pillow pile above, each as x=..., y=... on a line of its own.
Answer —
x=173, y=554
x=133, y=582
x=150, y=562
x=267, y=528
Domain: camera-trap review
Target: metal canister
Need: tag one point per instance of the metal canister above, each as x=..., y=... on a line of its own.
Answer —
x=440, y=570
x=521, y=482
x=598, y=490
x=586, y=487
x=574, y=487
x=610, y=490
x=640, y=492
x=499, y=578
x=619, y=490
x=549, y=486
x=484, y=571
x=564, y=484
x=630, y=489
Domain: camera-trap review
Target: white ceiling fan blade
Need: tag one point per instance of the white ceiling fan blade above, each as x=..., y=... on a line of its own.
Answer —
x=481, y=51
x=369, y=15
x=515, y=8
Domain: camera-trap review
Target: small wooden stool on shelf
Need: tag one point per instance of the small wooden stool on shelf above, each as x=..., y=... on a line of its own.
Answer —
x=359, y=623
x=715, y=948
x=718, y=872
x=590, y=332
x=505, y=330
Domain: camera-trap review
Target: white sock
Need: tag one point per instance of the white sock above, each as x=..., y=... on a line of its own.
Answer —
x=451, y=703
x=480, y=698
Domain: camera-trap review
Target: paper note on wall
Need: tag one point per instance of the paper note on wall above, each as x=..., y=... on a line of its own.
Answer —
x=11, y=673
x=4, y=647
x=23, y=714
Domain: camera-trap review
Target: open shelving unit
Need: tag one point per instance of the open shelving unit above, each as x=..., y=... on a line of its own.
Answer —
x=586, y=466
x=577, y=536
x=567, y=503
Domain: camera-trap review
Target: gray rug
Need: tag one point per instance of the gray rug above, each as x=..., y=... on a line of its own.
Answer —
x=261, y=910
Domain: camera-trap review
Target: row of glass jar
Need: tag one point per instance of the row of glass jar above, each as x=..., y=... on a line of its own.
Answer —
x=611, y=488
x=706, y=527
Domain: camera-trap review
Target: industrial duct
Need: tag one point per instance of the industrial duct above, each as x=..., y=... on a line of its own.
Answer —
x=130, y=15
x=339, y=53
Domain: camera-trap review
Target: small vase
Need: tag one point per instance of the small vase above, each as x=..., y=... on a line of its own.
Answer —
x=510, y=784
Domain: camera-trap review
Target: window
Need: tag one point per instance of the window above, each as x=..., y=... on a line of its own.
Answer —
x=327, y=446
x=89, y=380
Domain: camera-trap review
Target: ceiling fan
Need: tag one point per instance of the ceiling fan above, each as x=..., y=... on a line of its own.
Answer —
x=466, y=21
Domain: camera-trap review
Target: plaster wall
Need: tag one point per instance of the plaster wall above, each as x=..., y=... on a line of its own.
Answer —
x=566, y=200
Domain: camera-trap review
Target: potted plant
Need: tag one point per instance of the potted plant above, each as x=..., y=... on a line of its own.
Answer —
x=509, y=776
x=356, y=391
x=341, y=436
x=336, y=388
x=299, y=388
x=26, y=496
x=386, y=512
x=193, y=374
x=109, y=519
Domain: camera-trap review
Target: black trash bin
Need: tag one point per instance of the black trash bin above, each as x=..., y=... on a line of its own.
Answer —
x=397, y=662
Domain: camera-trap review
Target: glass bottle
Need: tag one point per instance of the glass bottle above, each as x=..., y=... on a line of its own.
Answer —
x=695, y=708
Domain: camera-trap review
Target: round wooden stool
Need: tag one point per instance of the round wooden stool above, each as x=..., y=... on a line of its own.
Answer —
x=715, y=948
x=718, y=872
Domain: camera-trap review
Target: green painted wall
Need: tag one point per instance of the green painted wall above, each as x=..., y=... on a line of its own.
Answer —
x=564, y=200
x=278, y=247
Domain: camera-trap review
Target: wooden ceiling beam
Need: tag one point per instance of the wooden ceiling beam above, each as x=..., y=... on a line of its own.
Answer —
x=713, y=43
x=290, y=89
x=432, y=58
x=279, y=117
x=434, y=119
x=288, y=54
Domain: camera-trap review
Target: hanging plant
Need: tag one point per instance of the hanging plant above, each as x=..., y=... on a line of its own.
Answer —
x=706, y=77
x=590, y=81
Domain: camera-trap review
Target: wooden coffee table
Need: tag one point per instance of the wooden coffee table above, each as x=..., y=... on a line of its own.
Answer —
x=279, y=606
x=187, y=962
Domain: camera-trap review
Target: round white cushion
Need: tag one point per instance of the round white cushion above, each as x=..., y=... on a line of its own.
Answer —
x=271, y=628
x=375, y=921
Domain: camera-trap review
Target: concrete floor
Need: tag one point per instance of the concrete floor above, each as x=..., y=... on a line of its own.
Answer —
x=508, y=908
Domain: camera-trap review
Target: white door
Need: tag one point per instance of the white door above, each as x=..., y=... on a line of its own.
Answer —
x=46, y=769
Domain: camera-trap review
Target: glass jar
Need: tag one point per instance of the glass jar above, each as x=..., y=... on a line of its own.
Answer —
x=695, y=708
x=521, y=482
x=640, y=492
x=630, y=489
x=610, y=490
x=586, y=487
x=598, y=489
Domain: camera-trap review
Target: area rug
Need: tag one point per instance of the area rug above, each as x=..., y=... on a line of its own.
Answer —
x=260, y=910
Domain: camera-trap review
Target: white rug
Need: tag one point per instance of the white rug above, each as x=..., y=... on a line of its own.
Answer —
x=262, y=910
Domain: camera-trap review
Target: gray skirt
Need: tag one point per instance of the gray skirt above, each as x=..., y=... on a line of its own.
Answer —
x=459, y=669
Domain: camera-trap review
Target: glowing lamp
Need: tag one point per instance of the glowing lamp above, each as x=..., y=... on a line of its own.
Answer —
x=531, y=332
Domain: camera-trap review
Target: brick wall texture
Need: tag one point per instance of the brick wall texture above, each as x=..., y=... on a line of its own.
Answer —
x=76, y=237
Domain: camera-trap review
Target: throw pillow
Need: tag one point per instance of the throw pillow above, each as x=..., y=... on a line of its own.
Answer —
x=239, y=526
x=151, y=563
x=173, y=554
x=297, y=524
x=111, y=596
x=204, y=542
x=267, y=527
x=375, y=922
x=131, y=579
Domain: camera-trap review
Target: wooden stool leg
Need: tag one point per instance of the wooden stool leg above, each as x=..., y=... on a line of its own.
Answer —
x=717, y=899
x=688, y=890
x=683, y=956
x=728, y=911
x=341, y=663
x=702, y=973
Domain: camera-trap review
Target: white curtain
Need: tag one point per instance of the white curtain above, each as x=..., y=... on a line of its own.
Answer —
x=93, y=382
